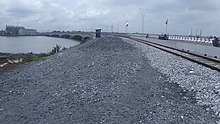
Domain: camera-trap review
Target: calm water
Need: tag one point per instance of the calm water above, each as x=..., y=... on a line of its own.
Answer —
x=35, y=44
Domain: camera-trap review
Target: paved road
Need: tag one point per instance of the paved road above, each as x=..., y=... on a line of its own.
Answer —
x=105, y=80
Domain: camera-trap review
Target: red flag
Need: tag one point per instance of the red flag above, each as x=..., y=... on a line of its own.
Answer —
x=126, y=23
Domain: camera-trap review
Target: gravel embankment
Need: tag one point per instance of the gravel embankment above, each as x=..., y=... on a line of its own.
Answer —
x=204, y=82
x=106, y=80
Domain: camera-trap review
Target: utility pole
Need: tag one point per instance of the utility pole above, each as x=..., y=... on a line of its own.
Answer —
x=118, y=27
x=143, y=18
x=196, y=32
x=126, y=26
x=17, y=21
x=142, y=25
x=91, y=29
x=166, y=24
x=200, y=34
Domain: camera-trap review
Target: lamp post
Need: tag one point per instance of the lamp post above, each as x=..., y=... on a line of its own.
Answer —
x=142, y=14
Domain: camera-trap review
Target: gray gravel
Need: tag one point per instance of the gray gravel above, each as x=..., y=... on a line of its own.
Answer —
x=106, y=80
x=204, y=82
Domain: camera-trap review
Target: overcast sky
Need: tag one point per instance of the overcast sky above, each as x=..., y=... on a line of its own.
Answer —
x=86, y=15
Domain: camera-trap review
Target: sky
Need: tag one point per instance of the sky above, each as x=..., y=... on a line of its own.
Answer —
x=88, y=15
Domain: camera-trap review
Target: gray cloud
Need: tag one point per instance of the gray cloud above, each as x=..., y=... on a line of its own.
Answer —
x=47, y=15
x=17, y=12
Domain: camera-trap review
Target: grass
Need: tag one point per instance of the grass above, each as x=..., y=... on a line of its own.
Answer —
x=34, y=57
x=42, y=56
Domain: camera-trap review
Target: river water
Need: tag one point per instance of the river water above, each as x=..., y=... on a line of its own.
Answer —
x=35, y=44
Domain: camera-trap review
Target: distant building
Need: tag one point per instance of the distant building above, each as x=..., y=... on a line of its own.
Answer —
x=19, y=31
x=2, y=33
x=27, y=32
x=11, y=30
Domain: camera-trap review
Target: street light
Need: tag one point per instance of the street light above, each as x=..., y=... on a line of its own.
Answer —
x=142, y=13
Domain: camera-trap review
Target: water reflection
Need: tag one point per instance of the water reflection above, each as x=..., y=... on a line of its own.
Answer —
x=35, y=44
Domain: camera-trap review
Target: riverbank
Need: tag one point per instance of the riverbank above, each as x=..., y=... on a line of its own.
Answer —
x=8, y=60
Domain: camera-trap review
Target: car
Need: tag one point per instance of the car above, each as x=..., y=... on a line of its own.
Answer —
x=163, y=37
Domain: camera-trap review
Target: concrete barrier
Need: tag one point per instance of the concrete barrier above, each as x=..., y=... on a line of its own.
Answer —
x=181, y=38
x=190, y=39
x=201, y=46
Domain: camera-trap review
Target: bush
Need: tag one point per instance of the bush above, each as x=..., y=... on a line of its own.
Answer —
x=56, y=49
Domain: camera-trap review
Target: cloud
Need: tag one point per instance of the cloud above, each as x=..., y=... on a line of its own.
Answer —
x=20, y=12
x=47, y=15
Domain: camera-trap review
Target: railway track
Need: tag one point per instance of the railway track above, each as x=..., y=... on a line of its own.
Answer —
x=212, y=63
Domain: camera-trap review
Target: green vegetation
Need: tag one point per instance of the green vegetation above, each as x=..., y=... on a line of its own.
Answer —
x=56, y=49
x=34, y=57
x=42, y=56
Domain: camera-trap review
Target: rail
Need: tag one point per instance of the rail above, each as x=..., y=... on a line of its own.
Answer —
x=212, y=63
